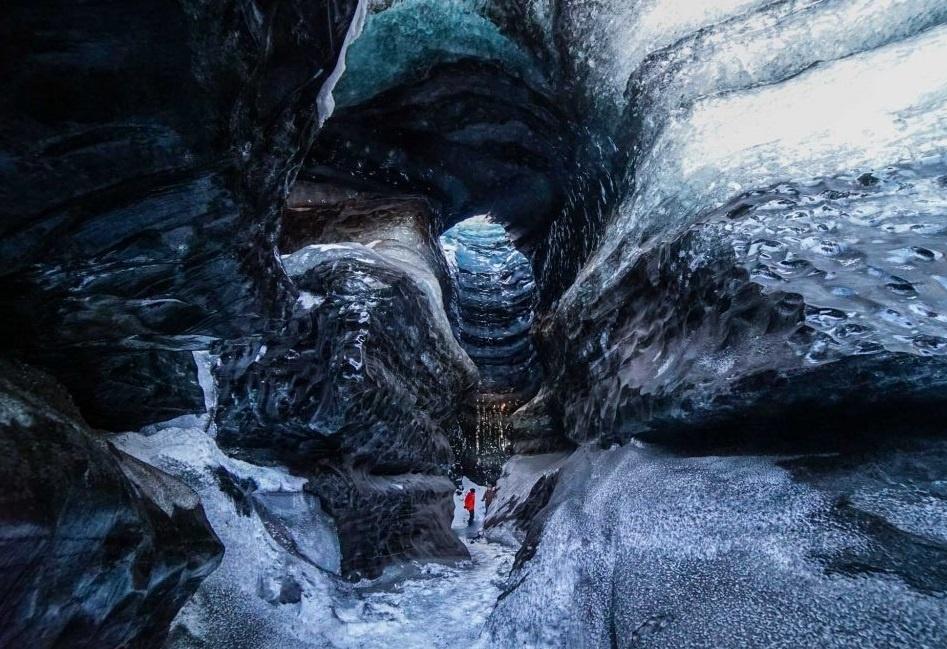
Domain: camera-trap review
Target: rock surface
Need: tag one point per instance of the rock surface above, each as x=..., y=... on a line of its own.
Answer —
x=98, y=549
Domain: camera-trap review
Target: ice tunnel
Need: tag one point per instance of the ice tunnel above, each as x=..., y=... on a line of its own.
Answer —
x=656, y=288
x=492, y=318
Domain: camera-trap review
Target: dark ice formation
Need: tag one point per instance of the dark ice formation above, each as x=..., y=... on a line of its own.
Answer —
x=696, y=332
x=146, y=151
x=147, y=148
x=492, y=315
x=97, y=548
x=357, y=389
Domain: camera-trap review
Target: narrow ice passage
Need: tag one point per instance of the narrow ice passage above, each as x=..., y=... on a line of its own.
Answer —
x=282, y=560
x=431, y=605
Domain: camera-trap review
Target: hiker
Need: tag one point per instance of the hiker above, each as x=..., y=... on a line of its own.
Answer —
x=489, y=496
x=470, y=504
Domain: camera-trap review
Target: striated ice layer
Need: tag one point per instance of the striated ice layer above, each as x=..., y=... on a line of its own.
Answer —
x=885, y=107
x=410, y=36
x=773, y=221
x=641, y=549
x=494, y=294
x=493, y=314
x=325, y=100
x=765, y=47
x=606, y=40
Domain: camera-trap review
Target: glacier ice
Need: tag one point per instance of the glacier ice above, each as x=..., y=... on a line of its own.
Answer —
x=642, y=548
x=734, y=211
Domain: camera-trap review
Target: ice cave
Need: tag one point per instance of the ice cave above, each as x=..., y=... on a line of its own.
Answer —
x=473, y=324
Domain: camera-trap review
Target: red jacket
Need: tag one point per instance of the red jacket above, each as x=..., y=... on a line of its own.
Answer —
x=470, y=502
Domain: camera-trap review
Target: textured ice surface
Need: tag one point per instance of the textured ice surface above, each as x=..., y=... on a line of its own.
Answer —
x=402, y=250
x=510, y=513
x=608, y=39
x=97, y=548
x=644, y=549
x=272, y=587
x=865, y=254
x=492, y=315
x=765, y=47
x=782, y=204
x=885, y=107
x=438, y=607
x=430, y=605
x=413, y=35
x=277, y=586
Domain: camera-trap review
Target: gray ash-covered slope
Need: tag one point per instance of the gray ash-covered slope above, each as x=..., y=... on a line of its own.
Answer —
x=147, y=148
x=97, y=548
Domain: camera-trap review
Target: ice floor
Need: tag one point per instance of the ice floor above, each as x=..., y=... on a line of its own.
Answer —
x=417, y=605
x=432, y=605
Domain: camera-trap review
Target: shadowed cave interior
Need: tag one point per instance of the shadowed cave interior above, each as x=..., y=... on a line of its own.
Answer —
x=281, y=281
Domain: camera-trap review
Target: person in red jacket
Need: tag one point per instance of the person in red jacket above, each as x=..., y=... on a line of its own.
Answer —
x=470, y=504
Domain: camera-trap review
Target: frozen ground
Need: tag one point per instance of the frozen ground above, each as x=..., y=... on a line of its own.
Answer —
x=440, y=606
x=270, y=594
x=277, y=586
x=430, y=606
x=645, y=549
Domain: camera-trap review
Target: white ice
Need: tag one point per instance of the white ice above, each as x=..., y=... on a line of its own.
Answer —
x=436, y=606
x=423, y=605
x=882, y=107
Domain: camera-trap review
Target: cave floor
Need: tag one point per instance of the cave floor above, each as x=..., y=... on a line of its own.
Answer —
x=441, y=606
x=431, y=605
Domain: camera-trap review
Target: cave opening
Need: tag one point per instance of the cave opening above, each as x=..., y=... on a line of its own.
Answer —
x=491, y=311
